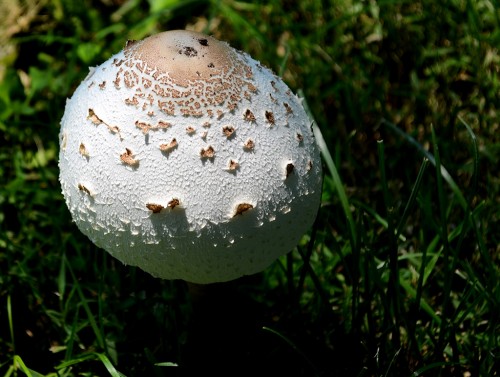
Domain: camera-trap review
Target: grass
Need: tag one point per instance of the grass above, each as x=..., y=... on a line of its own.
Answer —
x=399, y=274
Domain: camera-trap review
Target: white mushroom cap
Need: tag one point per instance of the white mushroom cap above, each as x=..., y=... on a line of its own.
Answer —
x=189, y=159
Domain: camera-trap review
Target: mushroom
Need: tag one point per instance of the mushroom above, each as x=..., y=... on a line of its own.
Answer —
x=159, y=195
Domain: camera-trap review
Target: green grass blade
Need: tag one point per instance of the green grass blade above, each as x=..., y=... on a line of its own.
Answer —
x=19, y=362
x=61, y=280
x=444, y=173
x=376, y=216
x=166, y=364
x=430, y=250
x=72, y=334
x=440, y=191
x=11, y=322
x=393, y=285
x=472, y=215
x=90, y=316
x=292, y=345
x=422, y=303
x=427, y=368
x=413, y=196
x=28, y=372
x=443, y=231
x=475, y=156
x=93, y=356
x=337, y=181
x=383, y=177
x=109, y=365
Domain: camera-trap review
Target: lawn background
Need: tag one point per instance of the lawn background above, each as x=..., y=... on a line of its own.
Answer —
x=399, y=275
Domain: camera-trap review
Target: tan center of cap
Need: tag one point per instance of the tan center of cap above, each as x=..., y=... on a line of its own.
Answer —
x=186, y=55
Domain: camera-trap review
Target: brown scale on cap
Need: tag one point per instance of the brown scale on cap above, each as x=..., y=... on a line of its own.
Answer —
x=156, y=208
x=84, y=189
x=173, y=203
x=132, y=101
x=117, y=62
x=94, y=118
x=289, y=169
x=114, y=130
x=102, y=85
x=241, y=208
x=162, y=124
x=228, y=131
x=143, y=126
x=146, y=83
x=64, y=141
x=288, y=108
x=248, y=116
x=168, y=147
x=128, y=159
x=249, y=145
x=130, y=42
x=190, y=130
x=233, y=165
x=270, y=117
x=299, y=137
x=117, y=80
x=252, y=88
x=208, y=152
x=83, y=150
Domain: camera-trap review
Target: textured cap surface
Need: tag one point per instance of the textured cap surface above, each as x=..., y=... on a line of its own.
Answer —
x=189, y=159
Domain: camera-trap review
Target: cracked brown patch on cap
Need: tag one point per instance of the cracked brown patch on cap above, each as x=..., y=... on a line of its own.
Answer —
x=187, y=76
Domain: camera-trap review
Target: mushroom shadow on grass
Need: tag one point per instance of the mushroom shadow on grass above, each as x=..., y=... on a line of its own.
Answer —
x=149, y=146
x=223, y=330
